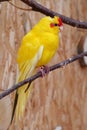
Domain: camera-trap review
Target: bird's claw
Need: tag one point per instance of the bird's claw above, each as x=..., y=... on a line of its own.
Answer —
x=44, y=70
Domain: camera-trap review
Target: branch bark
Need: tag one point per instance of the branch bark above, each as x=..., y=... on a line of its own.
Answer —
x=39, y=74
x=40, y=8
x=3, y=0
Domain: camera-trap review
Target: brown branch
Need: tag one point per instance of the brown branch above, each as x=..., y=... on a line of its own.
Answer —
x=40, y=8
x=3, y=0
x=39, y=74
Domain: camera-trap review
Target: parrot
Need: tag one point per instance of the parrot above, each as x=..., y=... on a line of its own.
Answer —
x=37, y=48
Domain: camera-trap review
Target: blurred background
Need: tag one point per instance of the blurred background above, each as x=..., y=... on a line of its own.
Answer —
x=60, y=98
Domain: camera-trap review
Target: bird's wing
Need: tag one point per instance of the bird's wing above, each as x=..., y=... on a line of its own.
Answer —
x=22, y=95
x=28, y=66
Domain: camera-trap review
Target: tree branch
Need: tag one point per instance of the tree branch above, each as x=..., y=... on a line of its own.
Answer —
x=40, y=8
x=39, y=74
x=3, y=0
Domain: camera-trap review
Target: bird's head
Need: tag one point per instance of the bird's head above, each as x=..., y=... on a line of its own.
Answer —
x=49, y=24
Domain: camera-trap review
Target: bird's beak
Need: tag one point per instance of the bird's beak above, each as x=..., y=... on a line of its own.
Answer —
x=61, y=28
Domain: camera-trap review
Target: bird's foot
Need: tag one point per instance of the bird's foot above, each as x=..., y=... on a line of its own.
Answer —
x=44, y=70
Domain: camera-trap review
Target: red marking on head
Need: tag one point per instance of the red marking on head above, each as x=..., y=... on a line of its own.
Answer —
x=60, y=22
x=52, y=25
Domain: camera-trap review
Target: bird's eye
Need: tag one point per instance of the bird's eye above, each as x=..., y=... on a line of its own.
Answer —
x=56, y=24
x=53, y=24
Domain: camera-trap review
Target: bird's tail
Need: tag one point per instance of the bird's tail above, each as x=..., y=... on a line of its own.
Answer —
x=22, y=93
x=20, y=101
x=14, y=107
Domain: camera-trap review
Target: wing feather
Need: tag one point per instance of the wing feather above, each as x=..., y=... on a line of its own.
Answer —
x=26, y=70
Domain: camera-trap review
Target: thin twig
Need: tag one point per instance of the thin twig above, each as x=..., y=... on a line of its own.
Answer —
x=28, y=9
x=39, y=74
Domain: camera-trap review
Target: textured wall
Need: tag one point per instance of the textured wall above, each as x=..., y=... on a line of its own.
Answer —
x=59, y=99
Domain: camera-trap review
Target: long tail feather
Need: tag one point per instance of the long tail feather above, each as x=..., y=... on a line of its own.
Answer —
x=22, y=94
x=21, y=103
x=14, y=107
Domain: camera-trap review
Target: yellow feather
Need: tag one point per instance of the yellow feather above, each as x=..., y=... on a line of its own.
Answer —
x=37, y=49
x=25, y=72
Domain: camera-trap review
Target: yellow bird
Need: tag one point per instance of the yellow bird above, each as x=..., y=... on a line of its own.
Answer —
x=37, y=49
